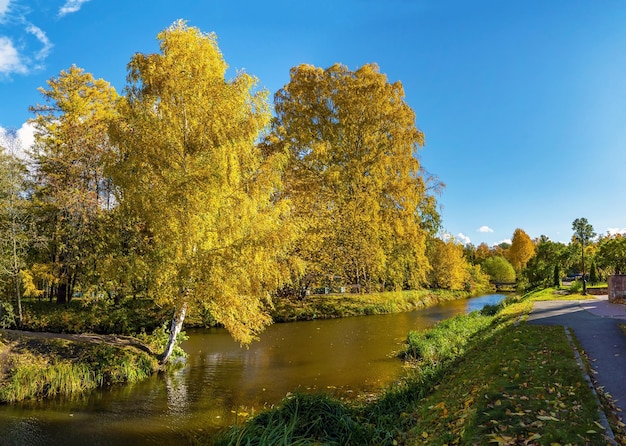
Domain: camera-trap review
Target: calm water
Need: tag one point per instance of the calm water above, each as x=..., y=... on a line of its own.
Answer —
x=222, y=381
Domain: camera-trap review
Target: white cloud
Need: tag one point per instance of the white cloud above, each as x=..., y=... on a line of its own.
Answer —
x=10, y=60
x=25, y=139
x=613, y=231
x=4, y=7
x=70, y=7
x=485, y=229
x=464, y=239
x=26, y=134
x=506, y=240
x=41, y=36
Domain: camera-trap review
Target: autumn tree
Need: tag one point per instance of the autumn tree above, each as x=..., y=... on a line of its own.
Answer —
x=482, y=252
x=583, y=233
x=357, y=188
x=448, y=266
x=521, y=250
x=190, y=169
x=72, y=194
x=15, y=228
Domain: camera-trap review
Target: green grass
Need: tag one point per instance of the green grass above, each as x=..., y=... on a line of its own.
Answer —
x=492, y=380
x=446, y=340
x=40, y=368
x=327, y=306
x=302, y=419
x=520, y=384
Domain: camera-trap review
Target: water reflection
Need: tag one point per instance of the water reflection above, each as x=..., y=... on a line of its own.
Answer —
x=222, y=380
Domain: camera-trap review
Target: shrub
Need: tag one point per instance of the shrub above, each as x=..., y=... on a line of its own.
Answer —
x=7, y=315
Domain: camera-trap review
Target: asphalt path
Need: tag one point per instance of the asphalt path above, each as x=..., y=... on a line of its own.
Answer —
x=595, y=324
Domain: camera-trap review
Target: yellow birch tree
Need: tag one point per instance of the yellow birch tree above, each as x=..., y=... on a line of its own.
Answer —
x=353, y=177
x=449, y=269
x=190, y=168
x=521, y=251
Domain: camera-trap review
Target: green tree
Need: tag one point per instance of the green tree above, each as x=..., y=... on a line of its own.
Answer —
x=357, y=188
x=556, y=277
x=593, y=273
x=15, y=229
x=540, y=269
x=72, y=193
x=190, y=169
x=499, y=269
x=583, y=232
x=611, y=254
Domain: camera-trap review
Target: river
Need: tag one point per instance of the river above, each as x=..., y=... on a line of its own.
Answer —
x=222, y=382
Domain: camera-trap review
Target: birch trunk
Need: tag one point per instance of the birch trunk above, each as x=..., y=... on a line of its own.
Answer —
x=176, y=327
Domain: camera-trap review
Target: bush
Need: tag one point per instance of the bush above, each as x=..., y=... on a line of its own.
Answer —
x=157, y=342
x=7, y=315
x=576, y=286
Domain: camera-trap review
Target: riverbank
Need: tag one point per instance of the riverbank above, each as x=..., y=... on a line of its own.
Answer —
x=75, y=348
x=496, y=379
x=329, y=306
x=36, y=365
x=133, y=316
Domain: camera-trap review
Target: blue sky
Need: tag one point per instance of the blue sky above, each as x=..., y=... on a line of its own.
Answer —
x=523, y=103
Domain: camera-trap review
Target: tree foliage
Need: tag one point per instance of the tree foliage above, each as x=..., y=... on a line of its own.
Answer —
x=482, y=253
x=189, y=168
x=353, y=176
x=549, y=257
x=449, y=269
x=72, y=194
x=611, y=254
x=583, y=233
x=499, y=269
x=521, y=250
x=15, y=229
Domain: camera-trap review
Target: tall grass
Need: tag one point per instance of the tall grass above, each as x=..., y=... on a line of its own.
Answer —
x=446, y=340
x=45, y=368
x=31, y=380
x=302, y=419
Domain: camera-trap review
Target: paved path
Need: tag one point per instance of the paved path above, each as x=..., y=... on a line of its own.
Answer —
x=595, y=324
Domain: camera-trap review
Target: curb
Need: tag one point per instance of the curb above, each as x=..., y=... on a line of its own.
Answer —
x=608, y=432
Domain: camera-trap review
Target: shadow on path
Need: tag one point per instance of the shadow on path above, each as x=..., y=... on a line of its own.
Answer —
x=601, y=338
x=116, y=340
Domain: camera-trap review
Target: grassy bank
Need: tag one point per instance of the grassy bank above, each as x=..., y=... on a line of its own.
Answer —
x=477, y=379
x=132, y=316
x=40, y=366
x=325, y=306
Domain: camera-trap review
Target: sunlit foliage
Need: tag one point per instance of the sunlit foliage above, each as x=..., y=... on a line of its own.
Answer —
x=353, y=177
x=189, y=167
x=521, y=250
x=72, y=193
